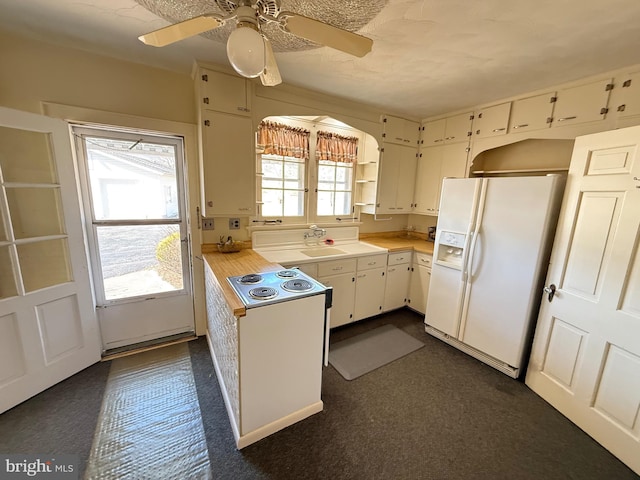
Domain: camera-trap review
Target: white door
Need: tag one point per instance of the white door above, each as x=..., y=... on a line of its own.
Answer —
x=133, y=186
x=586, y=353
x=48, y=327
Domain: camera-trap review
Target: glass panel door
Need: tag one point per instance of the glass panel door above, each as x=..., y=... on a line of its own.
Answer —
x=135, y=209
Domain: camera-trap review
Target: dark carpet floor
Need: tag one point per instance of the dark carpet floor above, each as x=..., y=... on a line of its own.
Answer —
x=434, y=414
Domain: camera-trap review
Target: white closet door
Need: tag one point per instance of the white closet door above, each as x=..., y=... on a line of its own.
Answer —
x=586, y=353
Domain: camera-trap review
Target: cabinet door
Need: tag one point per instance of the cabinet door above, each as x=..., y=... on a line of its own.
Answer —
x=492, y=121
x=453, y=164
x=388, y=178
x=228, y=165
x=406, y=180
x=400, y=131
x=224, y=93
x=397, y=287
x=427, y=181
x=419, y=288
x=586, y=103
x=433, y=133
x=344, y=290
x=369, y=293
x=630, y=96
x=458, y=128
x=533, y=113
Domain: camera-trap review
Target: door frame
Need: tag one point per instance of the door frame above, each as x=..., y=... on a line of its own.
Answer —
x=189, y=133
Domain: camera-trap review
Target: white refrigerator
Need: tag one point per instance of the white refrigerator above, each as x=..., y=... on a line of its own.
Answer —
x=491, y=254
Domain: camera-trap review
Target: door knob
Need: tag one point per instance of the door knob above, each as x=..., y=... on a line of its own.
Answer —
x=550, y=291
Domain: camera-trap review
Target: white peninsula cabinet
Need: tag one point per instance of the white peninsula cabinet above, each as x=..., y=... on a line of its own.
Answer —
x=420, y=278
x=398, y=276
x=228, y=145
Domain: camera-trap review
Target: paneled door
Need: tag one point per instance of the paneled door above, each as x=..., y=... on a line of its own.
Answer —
x=48, y=326
x=586, y=353
x=134, y=201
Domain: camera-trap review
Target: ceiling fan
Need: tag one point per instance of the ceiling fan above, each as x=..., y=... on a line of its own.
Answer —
x=248, y=48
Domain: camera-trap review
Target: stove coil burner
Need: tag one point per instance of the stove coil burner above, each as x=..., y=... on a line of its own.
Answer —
x=250, y=279
x=287, y=274
x=263, y=293
x=298, y=285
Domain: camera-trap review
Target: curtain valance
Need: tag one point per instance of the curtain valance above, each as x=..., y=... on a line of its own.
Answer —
x=336, y=148
x=279, y=139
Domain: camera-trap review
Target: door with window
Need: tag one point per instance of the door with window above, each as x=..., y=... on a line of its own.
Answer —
x=48, y=327
x=134, y=199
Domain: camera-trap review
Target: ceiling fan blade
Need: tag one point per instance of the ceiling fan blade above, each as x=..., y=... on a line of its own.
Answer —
x=271, y=75
x=180, y=31
x=325, y=34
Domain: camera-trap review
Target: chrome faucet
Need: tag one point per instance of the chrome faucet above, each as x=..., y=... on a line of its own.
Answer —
x=315, y=232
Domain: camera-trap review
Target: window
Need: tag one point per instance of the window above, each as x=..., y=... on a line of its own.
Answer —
x=293, y=176
x=334, y=188
x=282, y=186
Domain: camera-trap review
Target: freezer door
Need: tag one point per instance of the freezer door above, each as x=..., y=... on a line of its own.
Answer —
x=458, y=204
x=446, y=289
x=507, y=264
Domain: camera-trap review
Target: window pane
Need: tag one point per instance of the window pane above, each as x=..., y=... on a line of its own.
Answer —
x=7, y=282
x=25, y=157
x=326, y=173
x=325, y=203
x=132, y=180
x=272, y=203
x=4, y=231
x=140, y=260
x=343, y=178
x=35, y=212
x=272, y=168
x=326, y=186
x=271, y=183
x=44, y=264
x=343, y=203
x=293, y=203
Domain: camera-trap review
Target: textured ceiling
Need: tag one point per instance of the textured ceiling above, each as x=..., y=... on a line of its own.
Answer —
x=429, y=56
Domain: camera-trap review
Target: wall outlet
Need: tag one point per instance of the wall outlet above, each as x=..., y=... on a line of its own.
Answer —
x=234, y=223
x=207, y=224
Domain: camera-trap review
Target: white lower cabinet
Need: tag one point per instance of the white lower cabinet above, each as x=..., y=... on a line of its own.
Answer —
x=370, y=283
x=397, y=286
x=341, y=276
x=344, y=292
x=419, y=284
x=369, y=293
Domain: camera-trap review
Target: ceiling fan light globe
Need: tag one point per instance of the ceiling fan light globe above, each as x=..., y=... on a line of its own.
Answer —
x=245, y=50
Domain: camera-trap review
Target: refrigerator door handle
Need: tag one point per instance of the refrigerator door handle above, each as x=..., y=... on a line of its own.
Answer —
x=472, y=252
x=465, y=257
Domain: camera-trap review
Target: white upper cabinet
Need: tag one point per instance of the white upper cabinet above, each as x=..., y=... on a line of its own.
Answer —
x=492, y=121
x=532, y=113
x=630, y=86
x=585, y=103
x=396, y=178
x=224, y=93
x=447, y=130
x=435, y=164
x=400, y=131
x=228, y=165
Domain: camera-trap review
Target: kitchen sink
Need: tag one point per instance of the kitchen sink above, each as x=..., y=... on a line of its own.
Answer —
x=322, y=251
